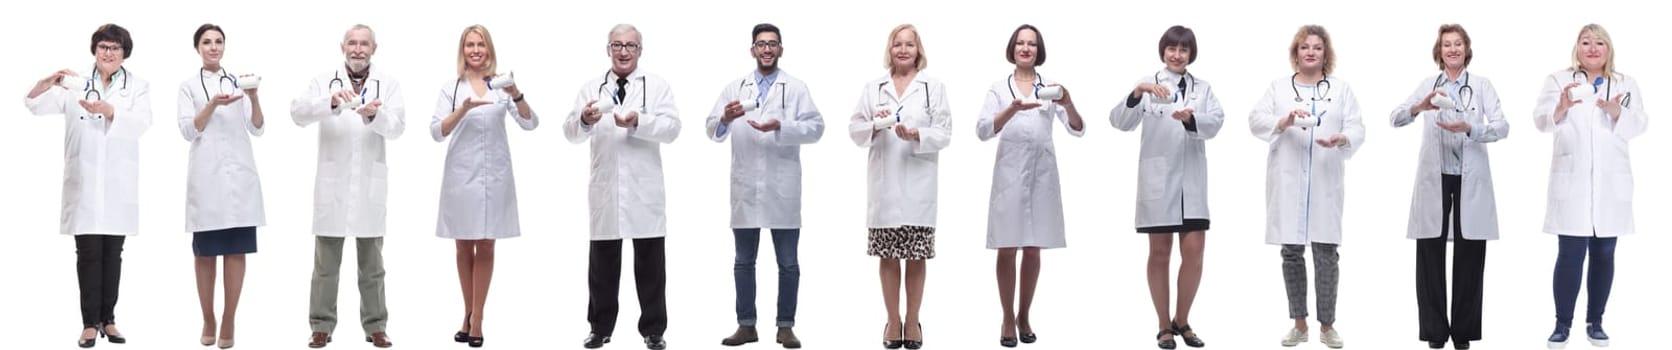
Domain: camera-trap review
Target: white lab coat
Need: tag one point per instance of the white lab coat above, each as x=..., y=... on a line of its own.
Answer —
x=1025, y=206
x=902, y=175
x=223, y=189
x=1590, y=170
x=101, y=158
x=478, y=189
x=766, y=166
x=1172, y=160
x=1485, y=116
x=1306, y=183
x=625, y=195
x=351, y=180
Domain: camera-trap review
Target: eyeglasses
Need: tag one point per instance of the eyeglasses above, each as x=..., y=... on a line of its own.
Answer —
x=628, y=47
x=109, y=48
x=767, y=44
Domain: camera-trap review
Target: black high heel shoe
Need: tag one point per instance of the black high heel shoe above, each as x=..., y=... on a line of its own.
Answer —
x=86, y=343
x=915, y=344
x=1189, y=339
x=892, y=344
x=461, y=337
x=1029, y=338
x=1167, y=344
x=476, y=342
x=112, y=338
x=1009, y=342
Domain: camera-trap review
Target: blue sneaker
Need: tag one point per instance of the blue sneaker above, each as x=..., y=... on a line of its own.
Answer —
x=1594, y=332
x=1559, y=337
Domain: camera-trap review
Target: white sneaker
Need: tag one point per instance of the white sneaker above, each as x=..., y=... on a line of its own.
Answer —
x=1332, y=339
x=1295, y=337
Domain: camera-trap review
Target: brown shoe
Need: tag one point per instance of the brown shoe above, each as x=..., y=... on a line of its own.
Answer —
x=318, y=340
x=380, y=340
x=744, y=335
x=787, y=337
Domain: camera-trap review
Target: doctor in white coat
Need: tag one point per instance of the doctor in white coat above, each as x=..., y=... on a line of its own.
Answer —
x=1025, y=208
x=104, y=114
x=223, y=192
x=478, y=189
x=1311, y=120
x=625, y=196
x=1594, y=111
x=1453, y=200
x=904, y=122
x=766, y=137
x=1179, y=113
x=351, y=182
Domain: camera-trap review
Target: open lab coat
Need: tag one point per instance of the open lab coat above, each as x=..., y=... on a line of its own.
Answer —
x=101, y=157
x=223, y=189
x=1025, y=206
x=901, y=175
x=1172, y=160
x=478, y=189
x=1591, y=185
x=766, y=166
x=351, y=180
x=1306, y=183
x=625, y=193
x=1485, y=116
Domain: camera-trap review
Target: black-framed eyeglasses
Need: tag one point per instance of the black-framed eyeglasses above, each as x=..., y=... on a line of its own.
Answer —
x=629, y=47
x=109, y=48
x=767, y=44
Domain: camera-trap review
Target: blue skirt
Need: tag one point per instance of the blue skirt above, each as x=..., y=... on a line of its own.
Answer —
x=232, y=241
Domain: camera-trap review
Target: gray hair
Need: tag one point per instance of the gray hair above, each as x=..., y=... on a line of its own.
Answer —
x=627, y=28
x=359, y=27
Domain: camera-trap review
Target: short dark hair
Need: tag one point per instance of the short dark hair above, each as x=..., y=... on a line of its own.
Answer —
x=112, y=33
x=764, y=28
x=1010, y=47
x=1178, y=36
x=205, y=28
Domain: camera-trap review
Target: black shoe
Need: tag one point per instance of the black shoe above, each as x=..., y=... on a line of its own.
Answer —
x=915, y=344
x=476, y=342
x=655, y=342
x=1009, y=342
x=594, y=341
x=1461, y=344
x=1189, y=339
x=1168, y=344
x=461, y=337
x=1432, y=344
x=112, y=338
x=86, y=343
x=1029, y=338
x=892, y=344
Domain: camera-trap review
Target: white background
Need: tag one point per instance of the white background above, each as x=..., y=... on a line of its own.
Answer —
x=1092, y=294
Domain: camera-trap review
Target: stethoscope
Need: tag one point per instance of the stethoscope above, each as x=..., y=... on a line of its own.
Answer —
x=1580, y=75
x=90, y=89
x=1038, y=83
x=337, y=81
x=455, y=91
x=1323, y=89
x=218, y=85
x=783, y=96
x=881, y=91
x=1185, y=91
x=1465, y=94
x=644, y=92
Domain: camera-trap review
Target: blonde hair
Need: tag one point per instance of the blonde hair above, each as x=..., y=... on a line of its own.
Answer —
x=493, y=58
x=888, y=50
x=1608, y=60
x=1300, y=37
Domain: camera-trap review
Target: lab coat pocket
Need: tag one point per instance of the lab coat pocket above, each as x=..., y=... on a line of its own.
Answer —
x=378, y=193
x=1152, y=178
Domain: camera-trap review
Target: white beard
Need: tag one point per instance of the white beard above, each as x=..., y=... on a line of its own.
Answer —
x=358, y=66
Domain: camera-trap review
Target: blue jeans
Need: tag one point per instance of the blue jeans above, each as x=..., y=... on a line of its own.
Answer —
x=1570, y=257
x=784, y=242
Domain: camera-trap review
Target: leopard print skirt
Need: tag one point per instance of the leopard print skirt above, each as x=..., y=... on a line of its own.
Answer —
x=905, y=242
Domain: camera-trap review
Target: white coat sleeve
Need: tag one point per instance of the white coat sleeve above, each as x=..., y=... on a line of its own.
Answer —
x=1495, y=127
x=1633, y=120
x=573, y=129
x=390, y=120
x=1210, y=116
x=133, y=121
x=661, y=124
x=312, y=106
x=515, y=113
x=1401, y=115
x=1263, y=120
x=186, y=110
x=443, y=107
x=716, y=131
x=806, y=125
x=54, y=101
x=938, y=134
x=1352, y=123
x=990, y=109
x=859, y=123
x=1062, y=117
x=1544, y=116
x=1129, y=112
x=248, y=108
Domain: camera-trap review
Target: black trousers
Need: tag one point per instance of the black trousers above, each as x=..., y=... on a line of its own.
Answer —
x=603, y=282
x=1468, y=271
x=98, y=269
